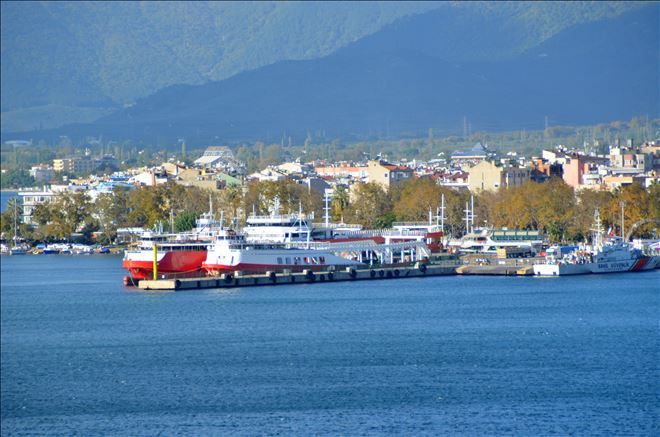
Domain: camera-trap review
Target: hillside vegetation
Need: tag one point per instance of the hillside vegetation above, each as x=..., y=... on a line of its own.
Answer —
x=69, y=61
x=587, y=74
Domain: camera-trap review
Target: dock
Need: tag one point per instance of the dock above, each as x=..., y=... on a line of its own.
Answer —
x=304, y=277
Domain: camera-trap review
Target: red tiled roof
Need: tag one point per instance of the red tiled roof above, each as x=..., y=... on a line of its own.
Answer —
x=396, y=167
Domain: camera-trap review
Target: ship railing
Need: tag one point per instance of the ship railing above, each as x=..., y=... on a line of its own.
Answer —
x=278, y=217
x=351, y=226
x=358, y=246
x=384, y=233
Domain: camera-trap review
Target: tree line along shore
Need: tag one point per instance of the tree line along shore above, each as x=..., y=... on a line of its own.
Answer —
x=554, y=208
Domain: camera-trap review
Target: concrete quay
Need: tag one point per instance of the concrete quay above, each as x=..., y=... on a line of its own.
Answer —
x=305, y=277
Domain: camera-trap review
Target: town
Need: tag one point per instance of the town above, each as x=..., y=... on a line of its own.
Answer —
x=96, y=198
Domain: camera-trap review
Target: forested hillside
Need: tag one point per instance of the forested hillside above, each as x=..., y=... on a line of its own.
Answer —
x=76, y=61
x=81, y=55
x=590, y=73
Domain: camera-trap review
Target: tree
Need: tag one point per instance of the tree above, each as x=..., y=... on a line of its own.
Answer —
x=16, y=179
x=66, y=214
x=583, y=215
x=184, y=221
x=370, y=201
x=416, y=197
x=261, y=195
x=230, y=200
x=638, y=206
x=340, y=203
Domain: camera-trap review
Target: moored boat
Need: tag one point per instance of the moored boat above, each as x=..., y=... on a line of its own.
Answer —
x=605, y=256
x=176, y=255
x=226, y=256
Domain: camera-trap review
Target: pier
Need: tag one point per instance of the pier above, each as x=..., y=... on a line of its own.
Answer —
x=304, y=277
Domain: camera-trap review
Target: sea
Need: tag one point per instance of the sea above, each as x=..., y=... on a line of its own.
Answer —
x=83, y=355
x=4, y=198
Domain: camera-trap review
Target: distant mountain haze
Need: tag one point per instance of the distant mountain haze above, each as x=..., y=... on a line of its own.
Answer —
x=102, y=55
x=502, y=66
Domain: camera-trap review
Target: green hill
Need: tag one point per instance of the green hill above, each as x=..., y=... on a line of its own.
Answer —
x=76, y=61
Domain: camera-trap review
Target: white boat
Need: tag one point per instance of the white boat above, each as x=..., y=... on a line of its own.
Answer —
x=82, y=249
x=605, y=256
x=18, y=250
x=226, y=256
x=489, y=240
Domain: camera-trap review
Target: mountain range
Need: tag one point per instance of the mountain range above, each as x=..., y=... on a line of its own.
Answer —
x=75, y=61
x=477, y=66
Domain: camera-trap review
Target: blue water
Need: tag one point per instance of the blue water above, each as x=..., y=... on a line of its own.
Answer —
x=4, y=198
x=449, y=355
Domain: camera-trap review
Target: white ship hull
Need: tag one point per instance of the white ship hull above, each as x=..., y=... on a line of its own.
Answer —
x=255, y=259
x=616, y=266
x=561, y=269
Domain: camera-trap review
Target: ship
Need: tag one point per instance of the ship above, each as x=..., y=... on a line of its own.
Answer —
x=609, y=255
x=527, y=242
x=227, y=256
x=176, y=254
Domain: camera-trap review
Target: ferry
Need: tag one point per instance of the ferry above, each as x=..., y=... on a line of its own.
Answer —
x=177, y=255
x=226, y=256
x=605, y=256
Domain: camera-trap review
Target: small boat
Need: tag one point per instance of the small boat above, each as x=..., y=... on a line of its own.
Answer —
x=18, y=250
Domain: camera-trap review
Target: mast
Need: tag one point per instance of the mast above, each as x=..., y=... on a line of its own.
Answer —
x=15, y=224
x=467, y=217
x=597, y=230
x=471, y=212
x=623, y=232
x=327, y=209
x=442, y=212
